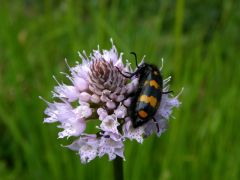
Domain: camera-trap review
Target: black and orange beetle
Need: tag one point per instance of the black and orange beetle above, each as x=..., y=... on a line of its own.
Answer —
x=146, y=100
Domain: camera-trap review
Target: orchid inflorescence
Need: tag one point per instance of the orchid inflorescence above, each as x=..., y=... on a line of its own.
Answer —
x=98, y=94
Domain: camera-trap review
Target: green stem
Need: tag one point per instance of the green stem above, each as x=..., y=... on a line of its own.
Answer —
x=118, y=168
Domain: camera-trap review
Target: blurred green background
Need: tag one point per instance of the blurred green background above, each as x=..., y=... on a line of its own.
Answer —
x=200, y=42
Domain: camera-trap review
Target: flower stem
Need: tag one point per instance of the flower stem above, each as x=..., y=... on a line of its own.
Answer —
x=118, y=168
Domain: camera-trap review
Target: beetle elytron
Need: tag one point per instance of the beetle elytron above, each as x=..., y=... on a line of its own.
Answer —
x=146, y=100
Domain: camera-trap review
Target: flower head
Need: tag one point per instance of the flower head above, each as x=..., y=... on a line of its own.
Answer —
x=99, y=92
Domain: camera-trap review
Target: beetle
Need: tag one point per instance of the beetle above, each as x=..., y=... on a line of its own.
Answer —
x=147, y=98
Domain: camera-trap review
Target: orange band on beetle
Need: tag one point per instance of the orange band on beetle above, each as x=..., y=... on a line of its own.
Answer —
x=154, y=83
x=142, y=114
x=148, y=99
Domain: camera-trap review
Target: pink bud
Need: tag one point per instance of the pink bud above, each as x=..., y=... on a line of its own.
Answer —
x=85, y=97
x=127, y=102
x=111, y=105
x=80, y=83
x=95, y=98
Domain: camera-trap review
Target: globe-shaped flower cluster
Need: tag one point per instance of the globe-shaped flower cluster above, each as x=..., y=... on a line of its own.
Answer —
x=98, y=97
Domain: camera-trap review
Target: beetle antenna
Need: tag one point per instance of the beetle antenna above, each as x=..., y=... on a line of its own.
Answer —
x=136, y=60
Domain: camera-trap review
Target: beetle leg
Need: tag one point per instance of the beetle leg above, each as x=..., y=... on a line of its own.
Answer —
x=158, y=130
x=167, y=92
x=100, y=134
